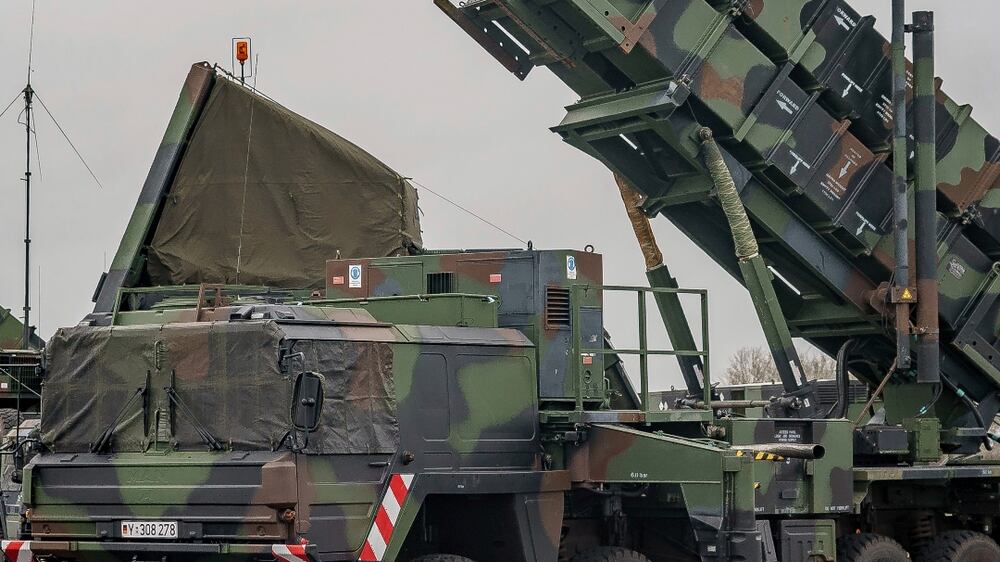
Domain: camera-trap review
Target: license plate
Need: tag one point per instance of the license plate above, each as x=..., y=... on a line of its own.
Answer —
x=149, y=529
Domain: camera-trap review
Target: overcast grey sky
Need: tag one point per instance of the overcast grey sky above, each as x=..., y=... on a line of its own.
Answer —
x=396, y=77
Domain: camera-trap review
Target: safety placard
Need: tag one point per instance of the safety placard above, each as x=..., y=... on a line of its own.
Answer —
x=354, y=276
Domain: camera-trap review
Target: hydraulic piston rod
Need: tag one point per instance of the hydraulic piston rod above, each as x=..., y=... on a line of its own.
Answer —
x=757, y=278
x=669, y=304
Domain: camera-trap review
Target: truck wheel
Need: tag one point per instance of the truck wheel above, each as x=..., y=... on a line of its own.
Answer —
x=960, y=546
x=8, y=417
x=441, y=558
x=869, y=547
x=610, y=554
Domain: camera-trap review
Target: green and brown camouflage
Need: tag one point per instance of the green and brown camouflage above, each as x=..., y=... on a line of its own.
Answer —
x=12, y=332
x=209, y=441
x=192, y=423
x=788, y=486
x=188, y=417
x=464, y=402
x=127, y=266
x=225, y=199
x=533, y=289
x=799, y=94
x=925, y=201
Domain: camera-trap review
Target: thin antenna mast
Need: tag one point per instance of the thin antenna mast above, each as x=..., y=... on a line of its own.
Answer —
x=26, y=335
x=28, y=97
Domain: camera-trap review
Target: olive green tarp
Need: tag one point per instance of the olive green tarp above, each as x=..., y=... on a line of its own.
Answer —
x=359, y=406
x=229, y=380
x=299, y=196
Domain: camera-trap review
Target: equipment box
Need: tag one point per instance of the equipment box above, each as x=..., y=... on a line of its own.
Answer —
x=534, y=288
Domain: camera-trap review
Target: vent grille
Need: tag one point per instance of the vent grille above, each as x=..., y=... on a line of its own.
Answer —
x=440, y=283
x=557, y=310
x=827, y=392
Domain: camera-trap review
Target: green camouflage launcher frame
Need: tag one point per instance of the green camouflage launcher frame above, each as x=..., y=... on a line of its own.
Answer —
x=799, y=95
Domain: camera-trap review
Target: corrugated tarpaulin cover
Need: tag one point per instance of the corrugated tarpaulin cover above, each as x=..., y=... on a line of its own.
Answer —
x=227, y=374
x=359, y=405
x=309, y=194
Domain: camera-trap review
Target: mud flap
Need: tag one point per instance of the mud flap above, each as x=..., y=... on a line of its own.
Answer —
x=770, y=554
x=539, y=522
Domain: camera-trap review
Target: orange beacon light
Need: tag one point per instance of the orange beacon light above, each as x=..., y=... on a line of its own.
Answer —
x=242, y=51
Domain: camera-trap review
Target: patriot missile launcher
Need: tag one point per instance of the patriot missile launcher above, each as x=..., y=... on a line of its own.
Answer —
x=803, y=153
x=799, y=96
x=468, y=406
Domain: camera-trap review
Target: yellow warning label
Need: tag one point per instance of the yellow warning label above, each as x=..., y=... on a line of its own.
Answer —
x=907, y=295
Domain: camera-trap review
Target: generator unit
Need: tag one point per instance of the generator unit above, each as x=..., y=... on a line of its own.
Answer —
x=534, y=288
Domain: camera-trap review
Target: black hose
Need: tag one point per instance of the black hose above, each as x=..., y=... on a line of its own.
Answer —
x=973, y=407
x=839, y=410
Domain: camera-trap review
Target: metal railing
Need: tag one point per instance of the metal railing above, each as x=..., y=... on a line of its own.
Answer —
x=643, y=351
x=20, y=374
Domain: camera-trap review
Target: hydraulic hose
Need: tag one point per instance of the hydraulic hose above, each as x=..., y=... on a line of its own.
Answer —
x=973, y=407
x=729, y=198
x=640, y=224
x=839, y=410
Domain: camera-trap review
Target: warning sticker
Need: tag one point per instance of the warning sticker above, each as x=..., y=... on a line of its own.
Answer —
x=354, y=276
x=570, y=267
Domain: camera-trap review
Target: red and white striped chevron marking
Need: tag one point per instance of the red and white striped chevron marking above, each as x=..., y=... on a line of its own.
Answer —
x=386, y=517
x=17, y=551
x=290, y=552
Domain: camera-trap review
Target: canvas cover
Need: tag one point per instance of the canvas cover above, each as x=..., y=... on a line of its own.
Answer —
x=229, y=380
x=226, y=374
x=303, y=195
x=359, y=406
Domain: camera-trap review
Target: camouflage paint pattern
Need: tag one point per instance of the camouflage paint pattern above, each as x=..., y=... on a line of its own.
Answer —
x=798, y=486
x=799, y=93
x=466, y=404
x=12, y=332
x=127, y=264
x=465, y=401
x=925, y=201
x=715, y=483
x=533, y=292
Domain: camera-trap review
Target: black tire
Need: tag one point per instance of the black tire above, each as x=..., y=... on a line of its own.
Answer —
x=8, y=419
x=610, y=554
x=869, y=547
x=960, y=546
x=441, y=558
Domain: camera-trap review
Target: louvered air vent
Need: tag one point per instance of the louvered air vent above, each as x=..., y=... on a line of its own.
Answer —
x=557, y=311
x=440, y=283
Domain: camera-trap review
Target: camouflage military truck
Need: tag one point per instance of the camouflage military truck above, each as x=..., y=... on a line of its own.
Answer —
x=434, y=406
x=343, y=429
x=468, y=406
